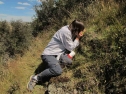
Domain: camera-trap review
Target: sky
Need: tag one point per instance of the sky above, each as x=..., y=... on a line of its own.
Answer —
x=17, y=10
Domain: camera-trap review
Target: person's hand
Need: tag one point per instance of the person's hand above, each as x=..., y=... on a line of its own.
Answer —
x=80, y=34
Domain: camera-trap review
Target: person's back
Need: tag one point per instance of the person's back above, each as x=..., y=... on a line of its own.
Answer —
x=56, y=46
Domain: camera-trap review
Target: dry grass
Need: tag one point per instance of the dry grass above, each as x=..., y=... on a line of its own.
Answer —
x=15, y=75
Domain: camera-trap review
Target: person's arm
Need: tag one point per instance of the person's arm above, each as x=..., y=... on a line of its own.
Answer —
x=68, y=43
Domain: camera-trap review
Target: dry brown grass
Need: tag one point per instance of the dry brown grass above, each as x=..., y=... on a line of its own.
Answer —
x=15, y=75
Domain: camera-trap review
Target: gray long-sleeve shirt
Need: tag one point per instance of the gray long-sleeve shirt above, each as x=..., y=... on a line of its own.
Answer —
x=61, y=40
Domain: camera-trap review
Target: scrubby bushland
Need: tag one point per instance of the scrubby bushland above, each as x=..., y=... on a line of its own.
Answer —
x=103, y=43
x=15, y=36
x=99, y=66
x=55, y=13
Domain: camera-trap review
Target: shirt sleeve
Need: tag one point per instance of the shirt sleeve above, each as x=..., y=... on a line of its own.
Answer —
x=68, y=43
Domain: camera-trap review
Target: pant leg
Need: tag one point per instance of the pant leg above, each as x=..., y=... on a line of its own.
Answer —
x=53, y=67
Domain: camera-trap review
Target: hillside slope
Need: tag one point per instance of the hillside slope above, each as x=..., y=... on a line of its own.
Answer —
x=99, y=65
x=15, y=75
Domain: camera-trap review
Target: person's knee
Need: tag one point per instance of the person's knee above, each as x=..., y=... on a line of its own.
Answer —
x=57, y=70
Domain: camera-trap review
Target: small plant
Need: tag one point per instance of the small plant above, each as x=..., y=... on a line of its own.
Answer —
x=15, y=87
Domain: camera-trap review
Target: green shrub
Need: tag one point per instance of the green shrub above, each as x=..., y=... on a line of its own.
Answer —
x=15, y=37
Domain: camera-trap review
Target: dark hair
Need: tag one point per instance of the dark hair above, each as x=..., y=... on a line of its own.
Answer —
x=76, y=26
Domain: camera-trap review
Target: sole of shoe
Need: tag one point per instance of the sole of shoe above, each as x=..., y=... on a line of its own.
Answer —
x=29, y=82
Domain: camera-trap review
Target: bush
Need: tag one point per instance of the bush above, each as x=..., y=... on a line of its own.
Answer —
x=15, y=37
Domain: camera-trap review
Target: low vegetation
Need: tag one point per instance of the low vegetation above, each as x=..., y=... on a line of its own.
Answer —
x=99, y=65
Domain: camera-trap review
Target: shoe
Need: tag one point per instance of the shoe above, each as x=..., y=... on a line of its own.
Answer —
x=31, y=84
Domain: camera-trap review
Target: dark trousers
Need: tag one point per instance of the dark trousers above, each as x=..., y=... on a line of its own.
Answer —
x=52, y=67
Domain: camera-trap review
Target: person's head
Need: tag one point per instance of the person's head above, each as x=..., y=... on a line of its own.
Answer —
x=76, y=27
